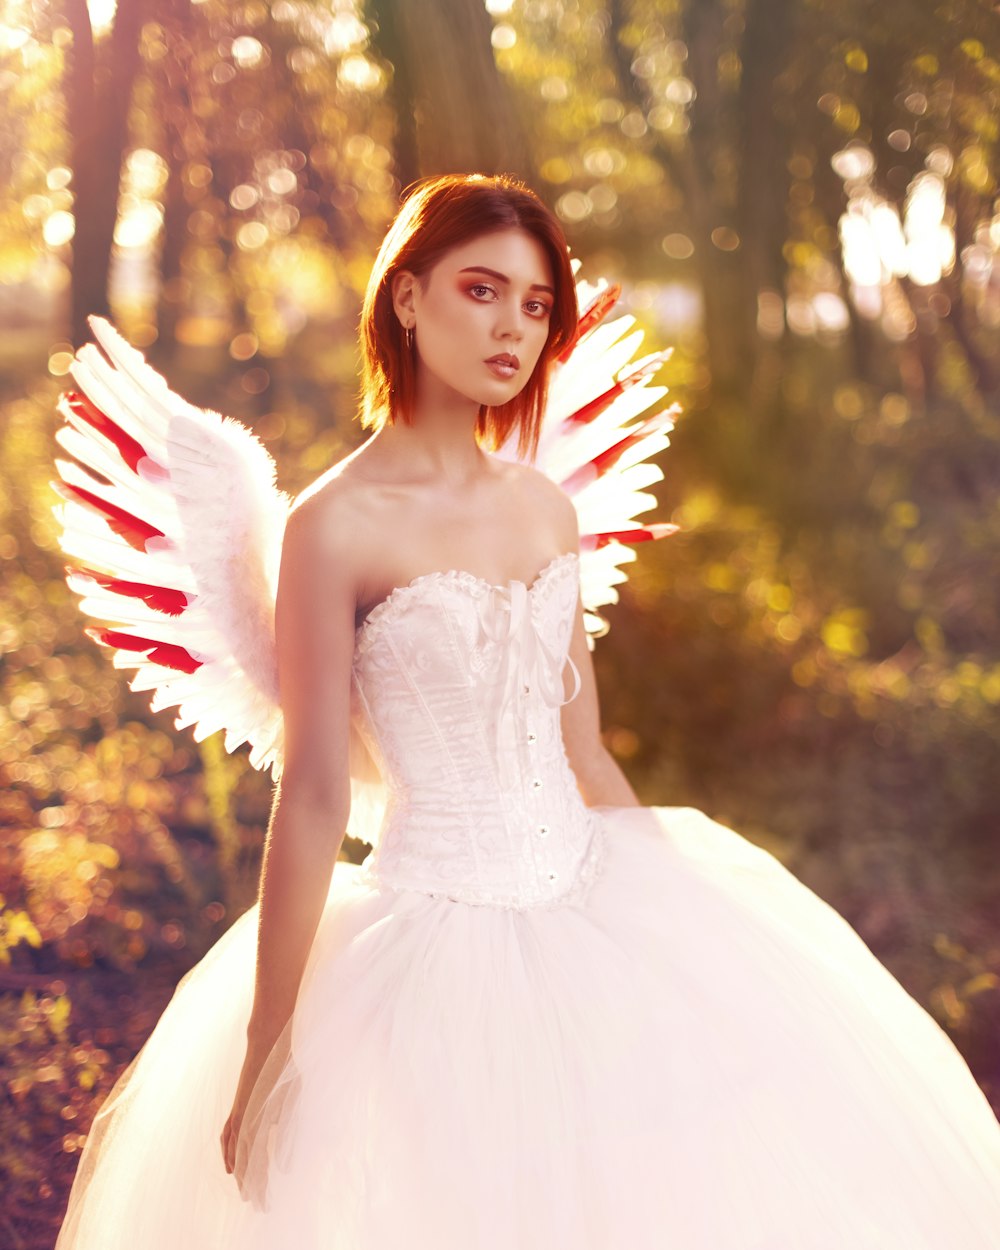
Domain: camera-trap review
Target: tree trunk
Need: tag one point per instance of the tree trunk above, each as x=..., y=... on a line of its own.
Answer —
x=178, y=120
x=97, y=116
x=456, y=112
x=388, y=41
x=689, y=166
x=762, y=197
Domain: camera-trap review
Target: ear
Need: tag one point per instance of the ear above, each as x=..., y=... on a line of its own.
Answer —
x=403, y=284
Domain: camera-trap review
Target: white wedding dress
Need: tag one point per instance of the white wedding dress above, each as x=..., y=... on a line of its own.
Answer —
x=526, y=1024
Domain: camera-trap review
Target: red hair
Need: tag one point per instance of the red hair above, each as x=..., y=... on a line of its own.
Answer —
x=438, y=214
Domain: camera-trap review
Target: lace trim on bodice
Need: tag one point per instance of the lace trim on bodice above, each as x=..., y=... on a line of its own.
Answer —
x=370, y=627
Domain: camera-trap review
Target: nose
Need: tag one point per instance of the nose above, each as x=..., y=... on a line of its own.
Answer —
x=510, y=323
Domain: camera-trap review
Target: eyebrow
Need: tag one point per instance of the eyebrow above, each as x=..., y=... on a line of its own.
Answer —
x=502, y=277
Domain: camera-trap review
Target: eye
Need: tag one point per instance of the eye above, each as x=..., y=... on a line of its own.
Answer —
x=543, y=308
x=480, y=286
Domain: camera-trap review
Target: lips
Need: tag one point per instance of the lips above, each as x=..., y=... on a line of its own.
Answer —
x=505, y=358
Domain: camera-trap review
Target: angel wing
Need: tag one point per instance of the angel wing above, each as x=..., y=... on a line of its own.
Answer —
x=175, y=519
x=177, y=524
x=591, y=444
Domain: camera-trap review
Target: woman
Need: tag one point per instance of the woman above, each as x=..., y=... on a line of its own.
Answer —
x=539, y=1015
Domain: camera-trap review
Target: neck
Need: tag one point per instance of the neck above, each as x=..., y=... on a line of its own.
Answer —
x=440, y=444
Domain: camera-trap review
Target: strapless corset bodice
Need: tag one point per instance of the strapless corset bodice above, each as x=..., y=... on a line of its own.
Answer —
x=457, y=689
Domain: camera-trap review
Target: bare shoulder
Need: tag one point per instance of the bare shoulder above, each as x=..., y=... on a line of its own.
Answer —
x=547, y=500
x=330, y=520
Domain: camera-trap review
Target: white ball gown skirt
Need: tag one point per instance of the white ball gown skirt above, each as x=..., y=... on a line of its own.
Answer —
x=698, y=1054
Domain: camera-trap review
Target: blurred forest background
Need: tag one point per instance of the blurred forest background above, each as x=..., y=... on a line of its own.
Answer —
x=799, y=195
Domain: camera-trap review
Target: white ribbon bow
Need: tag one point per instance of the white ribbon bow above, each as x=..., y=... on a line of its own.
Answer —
x=526, y=656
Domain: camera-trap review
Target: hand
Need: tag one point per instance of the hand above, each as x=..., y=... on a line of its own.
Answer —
x=253, y=1063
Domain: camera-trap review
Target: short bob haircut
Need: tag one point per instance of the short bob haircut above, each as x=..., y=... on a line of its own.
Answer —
x=440, y=213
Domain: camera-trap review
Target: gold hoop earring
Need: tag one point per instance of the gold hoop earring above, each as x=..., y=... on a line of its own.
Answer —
x=409, y=338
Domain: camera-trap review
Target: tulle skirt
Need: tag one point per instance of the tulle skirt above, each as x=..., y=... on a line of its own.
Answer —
x=700, y=1054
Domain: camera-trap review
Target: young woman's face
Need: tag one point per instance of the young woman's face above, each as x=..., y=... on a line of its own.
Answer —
x=489, y=297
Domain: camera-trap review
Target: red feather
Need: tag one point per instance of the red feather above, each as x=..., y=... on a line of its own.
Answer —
x=166, y=653
x=606, y=460
x=160, y=598
x=130, y=450
x=596, y=406
x=645, y=533
x=592, y=315
x=135, y=531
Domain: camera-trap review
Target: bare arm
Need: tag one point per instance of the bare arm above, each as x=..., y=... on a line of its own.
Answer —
x=314, y=628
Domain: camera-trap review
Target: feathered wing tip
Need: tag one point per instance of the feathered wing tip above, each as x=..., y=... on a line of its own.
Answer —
x=596, y=445
x=174, y=522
